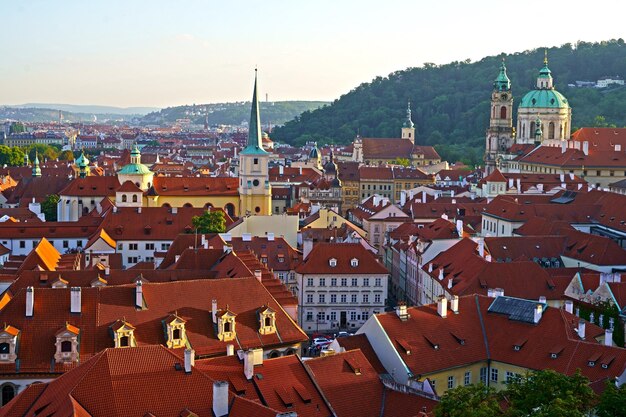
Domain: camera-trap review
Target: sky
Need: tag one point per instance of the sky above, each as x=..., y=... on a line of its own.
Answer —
x=162, y=53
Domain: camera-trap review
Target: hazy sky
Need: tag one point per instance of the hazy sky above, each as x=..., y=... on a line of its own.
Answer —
x=170, y=52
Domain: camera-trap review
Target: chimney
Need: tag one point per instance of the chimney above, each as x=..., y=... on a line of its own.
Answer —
x=307, y=247
x=442, y=306
x=430, y=267
x=246, y=237
x=491, y=293
x=30, y=301
x=248, y=364
x=174, y=210
x=205, y=244
x=488, y=258
x=580, y=185
x=481, y=248
x=440, y=274
x=498, y=292
x=450, y=283
x=562, y=177
x=202, y=239
x=281, y=169
x=569, y=306
x=538, y=313
x=401, y=311
x=402, y=198
x=563, y=146
x=107, y=270
x=571, y=176
x=214, y=310
x=300, y=170
x=189, y=360
x=423, y=196
x=114, y=209
x=220, y=398
x=270, y=237
x=581, y=329
x=230, y=350
x=586, y=148
x=139, y=294
x=608, y=337
x=511, y=182
x=563, y=185
x=459, y=228
x=139, y=210
x=75, y=300
x=227, y=237
x=376, y=200
x=257, y=274
x=454, y=304
x=542, y=299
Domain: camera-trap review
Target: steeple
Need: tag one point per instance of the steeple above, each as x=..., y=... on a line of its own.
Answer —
x=408, y=122
x=502, y=82
x=544, y=81
x=255, y=144
x=83, y=165
x=408, y=128
x=135, y=155
x=36, y=168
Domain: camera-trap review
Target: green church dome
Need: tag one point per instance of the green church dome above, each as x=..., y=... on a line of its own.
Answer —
x=544, y=99
x=135, y=169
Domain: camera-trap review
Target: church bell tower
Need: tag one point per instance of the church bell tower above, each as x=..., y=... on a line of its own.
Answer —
x=501, y=133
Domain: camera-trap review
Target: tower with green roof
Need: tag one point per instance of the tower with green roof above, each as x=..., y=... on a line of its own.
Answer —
x=255, y=191
x=136, y=172
x=408, y=127
x=501, y=133
x=36, y=167
x=83, y=165
x=547, y=105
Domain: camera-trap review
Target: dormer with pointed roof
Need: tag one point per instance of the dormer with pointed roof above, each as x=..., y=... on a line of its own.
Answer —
x=267, y=320
x=9, y=336
x=226, y=325
x=123, y=334
x=175, y=334
x=67, y=344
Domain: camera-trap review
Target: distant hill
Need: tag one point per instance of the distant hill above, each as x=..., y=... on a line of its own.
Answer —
x=90, y=109
x=274, y=113
x=28, y=114
x=450, y=103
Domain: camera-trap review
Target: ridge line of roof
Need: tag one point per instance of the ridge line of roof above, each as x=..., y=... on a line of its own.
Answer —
x=482, y=326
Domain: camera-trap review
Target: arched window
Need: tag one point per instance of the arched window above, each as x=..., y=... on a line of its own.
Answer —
x=8, y=392
x=532, y=130
x=66, y=346
x=4, y=348
x=208, y=206
x=124, y=341
x=166, y=205
x=134, y=198
x=274, y=354
x=289, y=351
x=268, y=321
x=176, y=334
x=523, y=129
x=551, y=130
x=230, y=209
x=503, y=112
x=124, y=198
x=188, y=205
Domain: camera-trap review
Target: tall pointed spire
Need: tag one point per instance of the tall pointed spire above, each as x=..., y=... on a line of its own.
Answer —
x=408, y=122
x=36, y=168
x=255, y=144
x=502, y=82
x=545, y=57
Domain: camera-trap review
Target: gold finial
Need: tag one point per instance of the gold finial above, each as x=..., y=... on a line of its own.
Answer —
x=545, y=57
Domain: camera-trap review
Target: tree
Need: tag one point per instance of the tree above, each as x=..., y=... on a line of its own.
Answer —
x=49, y=207
x=43, y=151
x=66, y=156
x=212, y=221
x=550, y=394
x=612, y=401
x=11, y=156
x=469, y=401
x=404, y=162
x=17, y=127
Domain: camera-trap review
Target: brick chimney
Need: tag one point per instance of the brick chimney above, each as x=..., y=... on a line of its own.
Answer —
x=190, y=358
x=30, y=301
x=442, y=306
x=75, y=300
x=220, y=398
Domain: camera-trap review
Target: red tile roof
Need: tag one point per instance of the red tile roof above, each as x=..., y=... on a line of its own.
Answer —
x=317, y=262
x=92, y=186
x=195, y=186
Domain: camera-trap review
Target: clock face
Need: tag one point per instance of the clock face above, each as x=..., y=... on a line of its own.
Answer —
x=504, y=96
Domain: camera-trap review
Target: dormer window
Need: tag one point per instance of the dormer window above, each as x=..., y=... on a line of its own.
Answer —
x=175, y=334
x=67, y=344
x=226, y=325
x=8, y=343
x=267, y=320
x=123, y=334
x=332, y=262
x=354, y=262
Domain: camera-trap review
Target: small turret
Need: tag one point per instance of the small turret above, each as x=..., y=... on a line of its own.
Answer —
x=408, y=128
x=36, y=168
x=502, y=82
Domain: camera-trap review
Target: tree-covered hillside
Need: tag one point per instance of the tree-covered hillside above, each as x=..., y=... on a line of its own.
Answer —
x=450, y=103
x=275, y=113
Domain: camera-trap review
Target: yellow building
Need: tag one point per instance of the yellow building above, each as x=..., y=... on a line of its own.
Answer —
x=255, y=191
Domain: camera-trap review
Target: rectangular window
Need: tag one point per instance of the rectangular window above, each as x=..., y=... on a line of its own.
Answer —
x=149, y=246
x=494, y=374
x=483, y=375
x=365, y=315
x=22, y=244
x=366, y=298
x=322, y=298
x=309, y=282
x=79, y=243
x=333, y=282
x=165, y=246
x=256, y=161
x=320, y=316
x=66, y=244
x=309, y=298
x=132, y=259
x=309, y=316
x=450, y=382
x=353, y=298
x=467, y=379
x=378, y=282
x=333, y=316
x=344, y=298
x=322, y=282
x=377, y=298
x=355, y=282
x=344, y=282
x=333, y=298
x=133, y=246
x=366, y=282
x=353, y=316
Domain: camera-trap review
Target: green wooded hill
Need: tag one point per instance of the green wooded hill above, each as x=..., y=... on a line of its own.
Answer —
x=450, y=103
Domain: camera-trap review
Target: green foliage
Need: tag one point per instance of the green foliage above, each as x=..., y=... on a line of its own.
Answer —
x=49, y=207
x=608, y=310
x=17, y=127
x=13, y=156
x=469, y=401
x=550, y=394
x=209, y=222
x=402, y=162
x=612, y=401
x=45, y=152
x=66, y=156
x=450, y=103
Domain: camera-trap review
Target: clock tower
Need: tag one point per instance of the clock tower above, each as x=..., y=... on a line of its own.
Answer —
x=255, y=191
x=501, y=133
